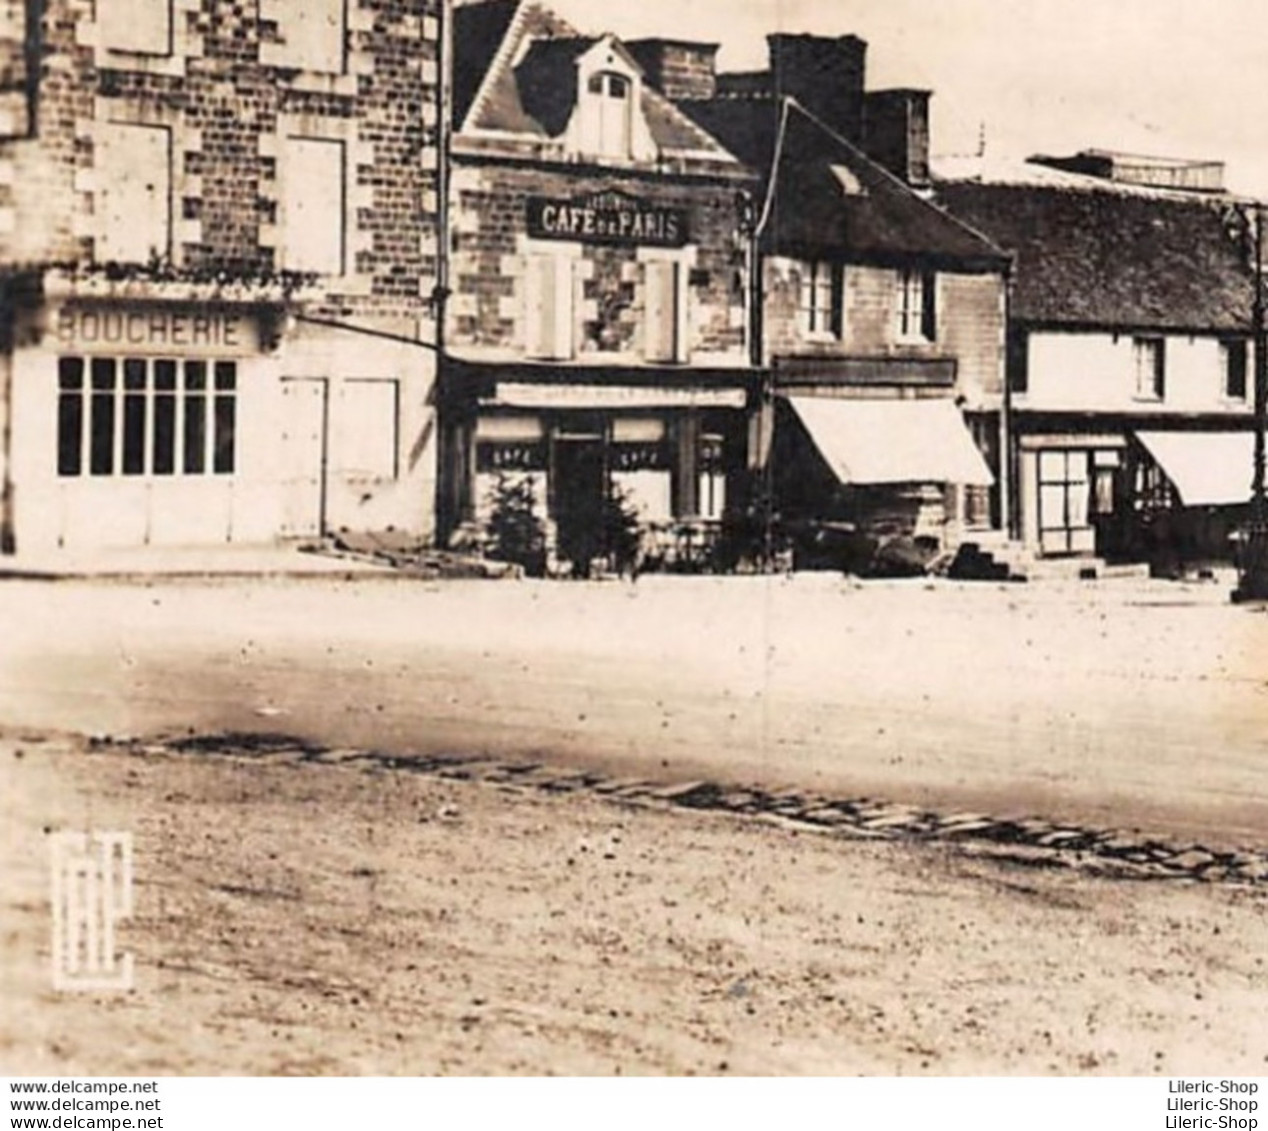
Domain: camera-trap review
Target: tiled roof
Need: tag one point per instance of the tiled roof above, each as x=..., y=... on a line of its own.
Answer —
x=546, y=83
x=831, y=199
x=1094, y=254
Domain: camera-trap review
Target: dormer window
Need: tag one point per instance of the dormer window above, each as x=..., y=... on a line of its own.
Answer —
x=610, y=98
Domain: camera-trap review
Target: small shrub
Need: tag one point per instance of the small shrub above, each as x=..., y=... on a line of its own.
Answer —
x=514, y=533
x=622, y=530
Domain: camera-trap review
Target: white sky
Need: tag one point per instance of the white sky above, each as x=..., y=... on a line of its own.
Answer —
x=1184, y=78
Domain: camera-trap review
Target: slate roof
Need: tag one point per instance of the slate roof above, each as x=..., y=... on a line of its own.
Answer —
x=1093, y=254
x=478, y=32
x=515, y=72
x=877, y=219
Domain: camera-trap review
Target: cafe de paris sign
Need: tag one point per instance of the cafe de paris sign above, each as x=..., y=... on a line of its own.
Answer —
x=610, y=217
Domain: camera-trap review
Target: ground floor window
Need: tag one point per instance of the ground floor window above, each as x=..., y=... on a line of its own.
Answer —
x=146, y=416
x=1065, y=525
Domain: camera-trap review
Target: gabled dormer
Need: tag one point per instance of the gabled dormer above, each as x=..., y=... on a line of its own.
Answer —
x=586, y=93
x=608, y=123
x=531, y=83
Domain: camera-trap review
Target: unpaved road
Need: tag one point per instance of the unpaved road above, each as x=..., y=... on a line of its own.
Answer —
x=1140, y=705
x=329, y=919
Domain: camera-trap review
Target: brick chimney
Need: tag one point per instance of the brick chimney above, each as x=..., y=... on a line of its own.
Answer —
x=826, y=75
x=896, y=132
x=681, y=70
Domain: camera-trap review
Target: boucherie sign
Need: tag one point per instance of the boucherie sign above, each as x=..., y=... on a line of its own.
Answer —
x=606, y=217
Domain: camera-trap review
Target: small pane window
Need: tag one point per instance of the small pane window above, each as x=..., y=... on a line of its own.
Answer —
x=70, y=373
x=70, y=417
x=103, y=373
x=164, y=434
x=195, y=433
x=102, y=420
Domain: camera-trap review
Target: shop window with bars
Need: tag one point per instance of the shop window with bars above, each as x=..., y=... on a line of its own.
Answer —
x=146, y=417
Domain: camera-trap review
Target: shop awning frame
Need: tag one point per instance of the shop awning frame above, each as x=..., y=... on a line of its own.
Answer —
x=870, y=442
x=1207, y=469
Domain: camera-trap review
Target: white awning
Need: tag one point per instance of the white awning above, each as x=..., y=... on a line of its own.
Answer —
x=893, y=441
x=1208, y=468
x=523, y=395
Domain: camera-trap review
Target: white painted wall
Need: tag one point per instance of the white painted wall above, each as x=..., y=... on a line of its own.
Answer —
x=254, y=503
x=1080, y=372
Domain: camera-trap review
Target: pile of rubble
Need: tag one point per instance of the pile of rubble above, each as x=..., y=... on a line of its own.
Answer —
x=410, y=555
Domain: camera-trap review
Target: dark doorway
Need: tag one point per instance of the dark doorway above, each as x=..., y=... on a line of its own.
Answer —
x=579, y=487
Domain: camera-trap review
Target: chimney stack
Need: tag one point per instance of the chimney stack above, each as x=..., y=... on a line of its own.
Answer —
x=826, y=75
x=896, y=132
x=681, y=70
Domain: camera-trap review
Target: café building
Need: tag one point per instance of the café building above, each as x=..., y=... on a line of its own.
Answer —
x=596, y=339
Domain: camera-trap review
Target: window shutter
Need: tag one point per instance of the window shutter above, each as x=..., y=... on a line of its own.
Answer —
x=313, y=205
x=312, y=33
x=135, y=194
x=548, y=308
x=538, y=298
x=563, y=309
x=929, y=308
x=836, y=318
x=661, y=327
x=142, y=27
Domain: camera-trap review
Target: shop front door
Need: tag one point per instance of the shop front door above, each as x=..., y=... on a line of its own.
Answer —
x=303, y=445
x=1065, y=498
x=579, y=487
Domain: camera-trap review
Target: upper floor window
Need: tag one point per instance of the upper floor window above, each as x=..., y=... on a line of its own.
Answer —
x=140, y=27
x=820, y=303
x=313, y=205
x=311, y=34
x=1149, y=360
x=609, y=102
x=1233, y=354
x=917, y=314
x=134, y=193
